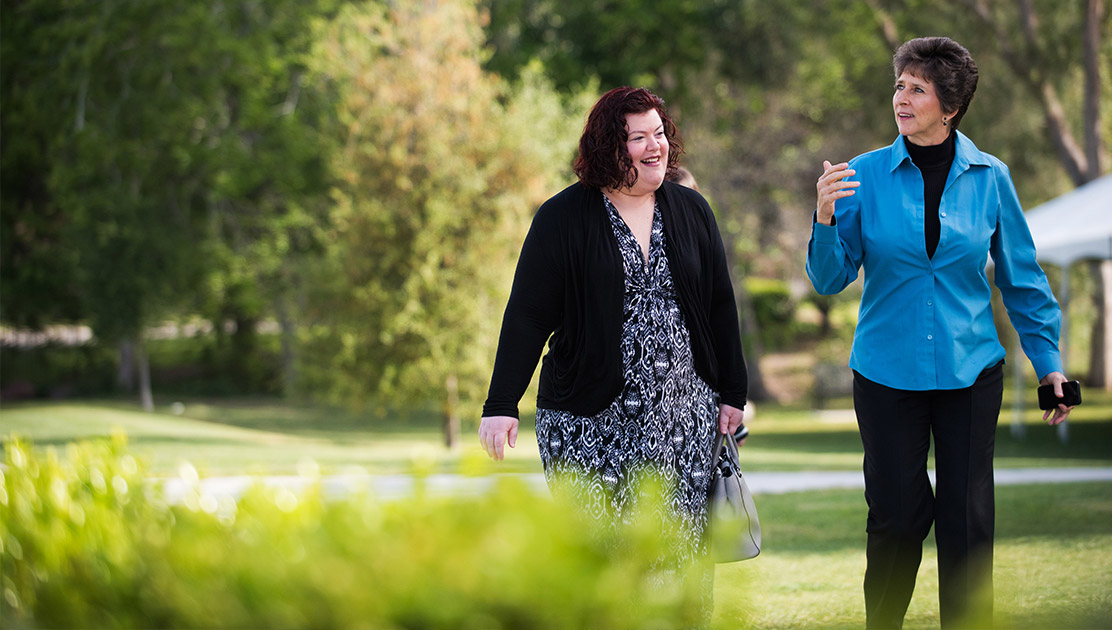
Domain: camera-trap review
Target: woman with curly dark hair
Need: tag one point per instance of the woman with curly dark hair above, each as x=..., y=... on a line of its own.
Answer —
x=624, y=275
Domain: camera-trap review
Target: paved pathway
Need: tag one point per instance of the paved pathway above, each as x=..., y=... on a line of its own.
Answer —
x=394, y=486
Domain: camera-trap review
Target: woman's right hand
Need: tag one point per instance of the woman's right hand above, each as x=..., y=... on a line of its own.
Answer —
x=495, y=432
x=832, y=187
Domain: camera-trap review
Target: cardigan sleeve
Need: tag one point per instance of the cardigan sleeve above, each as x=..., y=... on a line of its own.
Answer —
x=534, y=309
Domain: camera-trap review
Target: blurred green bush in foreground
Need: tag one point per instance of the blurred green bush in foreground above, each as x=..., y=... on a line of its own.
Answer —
x=86, y=540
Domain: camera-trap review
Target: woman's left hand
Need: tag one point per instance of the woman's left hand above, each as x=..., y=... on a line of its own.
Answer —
x=729, y=419
x=1061, y=412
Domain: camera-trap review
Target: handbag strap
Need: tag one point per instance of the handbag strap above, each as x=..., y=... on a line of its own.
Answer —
x=722, y=458
x=719, y=443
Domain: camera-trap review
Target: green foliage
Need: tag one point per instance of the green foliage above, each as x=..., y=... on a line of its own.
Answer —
x=774, y=309
x=36, y=266
x=182, y=366
x=362, y=172
x=270, y=188
x=58, y=371
x=86, y=541
x=158, y=159
x=440, y=166
x=210, y=365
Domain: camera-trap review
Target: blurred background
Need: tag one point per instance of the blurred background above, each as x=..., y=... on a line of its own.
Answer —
x=276, y=237
x=322, y=201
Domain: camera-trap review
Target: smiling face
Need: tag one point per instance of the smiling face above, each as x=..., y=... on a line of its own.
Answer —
x=918, y=112
x=648, y=148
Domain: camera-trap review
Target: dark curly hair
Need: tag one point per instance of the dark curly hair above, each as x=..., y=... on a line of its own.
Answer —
x=603, y=160
x=946, y=64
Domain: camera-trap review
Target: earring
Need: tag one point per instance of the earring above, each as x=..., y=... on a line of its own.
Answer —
x=943, y=122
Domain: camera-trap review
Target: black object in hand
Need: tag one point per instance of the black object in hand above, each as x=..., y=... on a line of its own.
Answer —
x=1071, y=391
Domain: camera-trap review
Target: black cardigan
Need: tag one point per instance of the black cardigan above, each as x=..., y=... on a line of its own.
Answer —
x=570, y=284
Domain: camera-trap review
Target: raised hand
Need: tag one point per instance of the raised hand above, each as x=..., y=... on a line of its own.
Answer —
x=832, y=187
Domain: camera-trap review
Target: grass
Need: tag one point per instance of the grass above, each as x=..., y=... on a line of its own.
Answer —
x=262, y=436
x=265, y=435
x=1053, y=562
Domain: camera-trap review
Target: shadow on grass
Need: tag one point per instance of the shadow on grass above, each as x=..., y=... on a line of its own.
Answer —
x=834, y=520
x=1089, y=441
x=270, y=414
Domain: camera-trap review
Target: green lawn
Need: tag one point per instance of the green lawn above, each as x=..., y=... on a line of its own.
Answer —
x=1053, y=564
x=228, y=437
x=232, y=436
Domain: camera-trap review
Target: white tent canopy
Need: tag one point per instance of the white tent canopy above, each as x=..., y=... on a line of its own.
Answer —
x=1076, y=226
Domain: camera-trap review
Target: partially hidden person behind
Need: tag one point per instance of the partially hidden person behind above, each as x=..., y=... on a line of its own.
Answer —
x=624, y=274
x=921, y=217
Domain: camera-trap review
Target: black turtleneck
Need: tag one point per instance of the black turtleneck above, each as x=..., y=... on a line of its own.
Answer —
x=934, y=163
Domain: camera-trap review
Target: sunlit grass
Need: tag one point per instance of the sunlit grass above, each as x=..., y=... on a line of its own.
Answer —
x=266, y=435
x=1053, y=562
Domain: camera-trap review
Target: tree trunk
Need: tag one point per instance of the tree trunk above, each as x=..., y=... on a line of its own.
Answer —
x=1100, y=350
x=1090, y=43
x=1100, y=357
x=125, y=375
x=286, y=338
x=244, y=347
x=451, y=412
x=144, y=365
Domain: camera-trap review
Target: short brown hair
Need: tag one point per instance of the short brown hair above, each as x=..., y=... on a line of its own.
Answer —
x=603, y=160
x=683, y=177
x=947, y=65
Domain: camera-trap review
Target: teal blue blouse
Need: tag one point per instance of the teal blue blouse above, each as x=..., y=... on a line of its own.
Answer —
x=926, y=323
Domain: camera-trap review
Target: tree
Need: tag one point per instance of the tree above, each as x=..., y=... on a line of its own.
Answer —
x=122, y=179
x=181, y=158
x=269, y=198
x=440, y=166
x=36, y=270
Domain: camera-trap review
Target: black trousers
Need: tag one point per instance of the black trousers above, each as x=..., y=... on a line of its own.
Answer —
x=896, y=428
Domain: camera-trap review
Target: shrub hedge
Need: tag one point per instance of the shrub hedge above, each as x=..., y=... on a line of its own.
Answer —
x=774, y=309
x=87, y=540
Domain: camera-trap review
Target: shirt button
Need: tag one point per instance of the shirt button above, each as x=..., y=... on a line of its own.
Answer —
x=929, y=337
x=942, y=214
x=930, y=302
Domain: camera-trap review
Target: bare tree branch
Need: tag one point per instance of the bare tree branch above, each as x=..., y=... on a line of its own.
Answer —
x=888, y=29
x=1070, y=153
x=1029, y=23
x=1090, y=44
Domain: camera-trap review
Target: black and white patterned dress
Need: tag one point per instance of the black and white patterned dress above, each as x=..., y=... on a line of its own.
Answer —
x=664, y=420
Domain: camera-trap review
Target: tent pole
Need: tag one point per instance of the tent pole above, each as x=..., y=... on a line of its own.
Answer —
x=1064, y=342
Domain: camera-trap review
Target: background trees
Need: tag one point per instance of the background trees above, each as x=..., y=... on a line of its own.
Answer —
x=361, y=172
x=438, y=168
x=154, y=159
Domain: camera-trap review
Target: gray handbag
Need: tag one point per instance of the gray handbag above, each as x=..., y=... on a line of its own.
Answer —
x=734, y=528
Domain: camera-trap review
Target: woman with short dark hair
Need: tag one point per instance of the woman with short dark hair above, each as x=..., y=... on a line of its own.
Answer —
x=624, y=275
x=921, y=217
